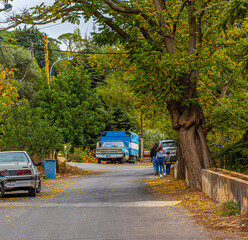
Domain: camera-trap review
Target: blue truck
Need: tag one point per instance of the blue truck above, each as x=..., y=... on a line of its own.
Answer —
x=120, y=146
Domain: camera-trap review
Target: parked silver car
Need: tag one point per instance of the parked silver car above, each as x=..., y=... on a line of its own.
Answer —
x=18, y=171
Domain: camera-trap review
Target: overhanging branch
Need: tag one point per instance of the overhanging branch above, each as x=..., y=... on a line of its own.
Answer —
x=178, y=15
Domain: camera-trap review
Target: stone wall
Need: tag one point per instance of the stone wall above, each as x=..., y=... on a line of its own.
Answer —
x=222, y=186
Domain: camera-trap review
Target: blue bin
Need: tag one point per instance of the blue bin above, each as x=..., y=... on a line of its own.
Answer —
x=50, y=168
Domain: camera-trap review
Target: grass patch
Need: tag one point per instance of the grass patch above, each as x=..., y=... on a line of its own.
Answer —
x=228, y=208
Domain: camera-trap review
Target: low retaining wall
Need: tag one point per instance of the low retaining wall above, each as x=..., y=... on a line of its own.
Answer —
x=221, y=186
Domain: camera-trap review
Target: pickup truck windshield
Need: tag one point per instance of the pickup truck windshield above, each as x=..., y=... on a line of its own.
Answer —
x=168, y=144
x=113, y=144
x=13, y=157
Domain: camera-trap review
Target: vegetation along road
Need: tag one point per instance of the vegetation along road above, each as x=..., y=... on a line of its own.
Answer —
x=112, y=205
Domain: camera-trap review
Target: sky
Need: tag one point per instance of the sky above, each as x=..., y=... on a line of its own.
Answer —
x=53, y=30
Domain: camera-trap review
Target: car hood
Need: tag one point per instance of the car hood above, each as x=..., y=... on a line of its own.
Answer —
x=13, y=166
x=169, y=149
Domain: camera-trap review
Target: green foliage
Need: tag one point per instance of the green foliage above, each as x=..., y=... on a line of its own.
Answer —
x=233, y=12
x=119, y=119
x=25, y=36
x=73, y=41
x=25, y=69
x=23, y=128
x=73, y=106
x=151, y=137
x=84, y=155
x=228, y=208
x=234, y=157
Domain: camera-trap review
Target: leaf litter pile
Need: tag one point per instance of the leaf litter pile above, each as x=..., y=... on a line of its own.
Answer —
x=198, y=205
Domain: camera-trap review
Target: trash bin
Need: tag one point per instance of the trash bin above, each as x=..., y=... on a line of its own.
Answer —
x=50, y=168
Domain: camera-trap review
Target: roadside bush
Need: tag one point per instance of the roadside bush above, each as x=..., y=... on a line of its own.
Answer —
x=24, y=128
x=85, y=155
x=228, y=208
x=234, y=157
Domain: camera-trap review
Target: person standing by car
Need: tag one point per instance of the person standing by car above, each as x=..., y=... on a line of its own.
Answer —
x=153, y=154
x=160, y=159
x=168, y=162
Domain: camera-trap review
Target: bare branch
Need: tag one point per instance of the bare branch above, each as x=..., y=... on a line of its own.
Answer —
x=170, y=16
x=199, y=22
x=62, y=11
x=168, y=40
x=192, y=27
x=178, y=15
x=122, y=9
x=145, y=34
x=129, y=10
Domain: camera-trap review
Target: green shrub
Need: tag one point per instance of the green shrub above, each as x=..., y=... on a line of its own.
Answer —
x=84, y=155
x=228, y=208
x=234, y=157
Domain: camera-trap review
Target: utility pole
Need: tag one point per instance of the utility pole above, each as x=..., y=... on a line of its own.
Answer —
x=32, y=49
x=47, y=60
x=141, y=138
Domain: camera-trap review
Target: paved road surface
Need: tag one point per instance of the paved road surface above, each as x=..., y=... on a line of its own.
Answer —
x=113, y=205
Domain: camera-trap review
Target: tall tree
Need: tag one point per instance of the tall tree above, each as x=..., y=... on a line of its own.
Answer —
x=165, y=40
x=73, y=106
x=25, y=36
x=25, y=68
x=24, y=128
x=73, y=41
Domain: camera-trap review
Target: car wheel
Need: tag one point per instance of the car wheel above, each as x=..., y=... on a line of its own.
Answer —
x=99, y=160
x=2, y=190
x=39, y=187
x=32, y=192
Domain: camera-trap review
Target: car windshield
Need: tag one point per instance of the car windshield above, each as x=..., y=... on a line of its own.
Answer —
x=113, y=144
x=13, y=157
x=168, y=145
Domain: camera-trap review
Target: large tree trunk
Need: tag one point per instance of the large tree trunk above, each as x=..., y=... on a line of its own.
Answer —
x=193, y=151
x=181, y=166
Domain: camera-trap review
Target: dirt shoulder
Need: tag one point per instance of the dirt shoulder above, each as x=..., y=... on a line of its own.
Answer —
x=199, y=206
x=64, y=171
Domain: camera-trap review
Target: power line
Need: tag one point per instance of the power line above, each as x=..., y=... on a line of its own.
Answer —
x=50, y=26
x=86, y=53
x=82, y=52
x=24, y=74
x=223, y=104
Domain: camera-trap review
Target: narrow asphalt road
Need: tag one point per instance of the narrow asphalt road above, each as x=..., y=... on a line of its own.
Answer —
x=113, y=205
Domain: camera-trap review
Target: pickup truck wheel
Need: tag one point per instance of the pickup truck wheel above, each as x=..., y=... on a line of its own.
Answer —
x=32, y=192
x=2, y=190
x=122, y=160
x=99, y=161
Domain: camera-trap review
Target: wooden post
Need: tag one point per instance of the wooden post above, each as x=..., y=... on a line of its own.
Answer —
x=32, y=49
x=141, y=139
x=47, y=60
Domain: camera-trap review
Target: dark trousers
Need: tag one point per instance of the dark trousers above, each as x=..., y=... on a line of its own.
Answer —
x=168, y=167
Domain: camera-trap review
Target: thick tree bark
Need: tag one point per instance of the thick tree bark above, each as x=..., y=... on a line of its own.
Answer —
x=181, y=166
x=193, y=151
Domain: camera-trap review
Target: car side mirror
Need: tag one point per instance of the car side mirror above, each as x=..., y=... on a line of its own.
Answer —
x=38, y=164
